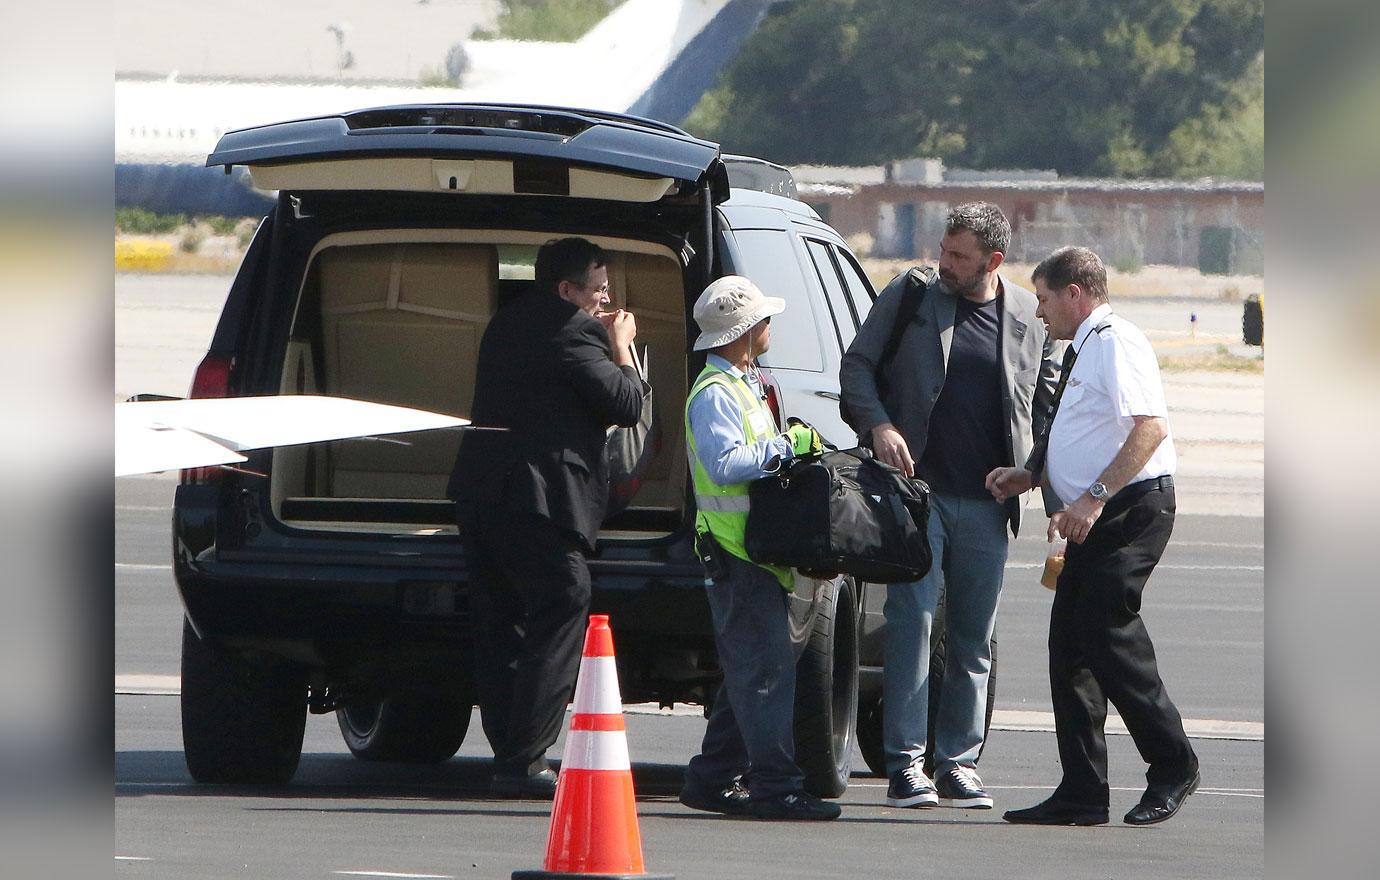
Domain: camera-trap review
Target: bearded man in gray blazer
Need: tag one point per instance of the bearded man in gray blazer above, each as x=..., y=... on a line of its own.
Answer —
x=968, y=388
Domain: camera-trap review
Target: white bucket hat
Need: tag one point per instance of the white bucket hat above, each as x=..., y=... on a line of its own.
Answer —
x=728, y=308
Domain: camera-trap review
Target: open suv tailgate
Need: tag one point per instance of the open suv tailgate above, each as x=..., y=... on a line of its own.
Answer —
x=624, y=145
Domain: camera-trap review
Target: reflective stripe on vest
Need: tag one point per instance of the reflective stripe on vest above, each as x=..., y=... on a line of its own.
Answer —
x=723, y=509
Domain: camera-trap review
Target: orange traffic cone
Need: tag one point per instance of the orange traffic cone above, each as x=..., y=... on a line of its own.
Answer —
x=594, y=819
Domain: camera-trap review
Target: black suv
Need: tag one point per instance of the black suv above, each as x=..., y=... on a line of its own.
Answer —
x=330, y=576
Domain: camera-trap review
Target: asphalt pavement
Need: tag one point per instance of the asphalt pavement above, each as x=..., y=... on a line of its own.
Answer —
x=341, y=817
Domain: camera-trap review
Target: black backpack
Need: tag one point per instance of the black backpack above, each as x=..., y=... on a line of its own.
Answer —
x=842, y=512
x=918, y=279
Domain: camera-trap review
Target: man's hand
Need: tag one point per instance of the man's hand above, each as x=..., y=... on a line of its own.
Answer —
x=890, y=447
x=1075, y=522
x=1008, y=482
x=622, y=327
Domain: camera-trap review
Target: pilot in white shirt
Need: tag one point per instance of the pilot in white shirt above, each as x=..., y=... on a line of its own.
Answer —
x=1109, y=457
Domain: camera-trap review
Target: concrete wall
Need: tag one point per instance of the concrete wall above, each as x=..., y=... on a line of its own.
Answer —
x=1128, y=224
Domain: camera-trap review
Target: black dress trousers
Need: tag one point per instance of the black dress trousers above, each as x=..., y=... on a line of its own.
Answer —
x=1099, y=649
x=529, y=599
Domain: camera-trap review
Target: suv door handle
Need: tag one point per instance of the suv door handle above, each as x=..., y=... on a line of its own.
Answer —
x=828, y=395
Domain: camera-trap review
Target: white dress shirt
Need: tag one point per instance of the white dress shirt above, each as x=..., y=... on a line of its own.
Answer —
x=1116, y=376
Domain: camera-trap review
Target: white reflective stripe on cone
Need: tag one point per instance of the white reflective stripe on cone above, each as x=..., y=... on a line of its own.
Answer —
x=595, y=750
x=596, y=690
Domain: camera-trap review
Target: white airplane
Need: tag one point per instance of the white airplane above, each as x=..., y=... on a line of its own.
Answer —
x=617, y=66
x=163, y=435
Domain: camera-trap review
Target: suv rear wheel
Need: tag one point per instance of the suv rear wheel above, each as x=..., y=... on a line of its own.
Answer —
x=826, y=693
x=408, y=728
x=243, y=716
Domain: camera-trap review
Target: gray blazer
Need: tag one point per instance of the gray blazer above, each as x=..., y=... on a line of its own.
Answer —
x=915, y=375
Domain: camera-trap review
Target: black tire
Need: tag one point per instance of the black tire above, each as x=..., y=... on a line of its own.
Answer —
x=407, y=728
x=870, y=735
x=870, y=715
x=243, y=716
x=826, y=694
x=1253, y=321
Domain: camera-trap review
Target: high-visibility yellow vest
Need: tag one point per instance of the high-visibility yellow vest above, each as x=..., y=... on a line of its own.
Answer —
x=722, y=510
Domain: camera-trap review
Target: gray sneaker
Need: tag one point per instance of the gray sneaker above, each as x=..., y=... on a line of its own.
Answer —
x=961, y=787
x=910, y=787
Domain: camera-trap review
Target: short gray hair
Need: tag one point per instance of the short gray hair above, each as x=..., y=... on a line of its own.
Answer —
x=1073, y=265
x=986, y=221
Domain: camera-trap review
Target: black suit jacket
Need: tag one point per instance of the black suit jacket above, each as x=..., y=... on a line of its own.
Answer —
x=546, y=373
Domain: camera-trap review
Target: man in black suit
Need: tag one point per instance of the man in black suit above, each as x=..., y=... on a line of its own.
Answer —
x=556, y=372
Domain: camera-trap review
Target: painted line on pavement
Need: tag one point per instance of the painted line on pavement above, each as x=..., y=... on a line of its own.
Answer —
x=1018, y=720
x=1043, y=722
x=1032, y=565
x=164, y=566
x=148, y=685
x=1257, y=793
x=133, y=859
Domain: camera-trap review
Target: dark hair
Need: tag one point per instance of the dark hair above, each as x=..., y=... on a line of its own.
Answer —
x=567, y=259
x=984, y=220
x=1073, y=265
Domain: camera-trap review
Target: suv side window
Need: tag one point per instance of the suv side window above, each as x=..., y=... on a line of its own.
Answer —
x=860, y=290
x=844, y=318
x=770, y=261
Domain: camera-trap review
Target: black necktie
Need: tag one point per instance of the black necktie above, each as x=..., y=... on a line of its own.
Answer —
x=1037, y=458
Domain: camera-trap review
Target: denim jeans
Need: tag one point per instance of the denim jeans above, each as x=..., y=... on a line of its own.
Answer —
x=968, y=537
x=750, y=729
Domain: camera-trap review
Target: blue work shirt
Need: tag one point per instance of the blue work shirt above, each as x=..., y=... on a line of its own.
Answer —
x=716, y=421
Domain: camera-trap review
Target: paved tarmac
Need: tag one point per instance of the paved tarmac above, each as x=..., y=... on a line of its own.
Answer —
x=163, y=324
x=341, y=817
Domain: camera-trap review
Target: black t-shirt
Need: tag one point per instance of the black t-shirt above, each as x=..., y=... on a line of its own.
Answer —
x=966, y=439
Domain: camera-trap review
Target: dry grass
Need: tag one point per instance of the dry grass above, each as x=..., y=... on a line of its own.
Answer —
x=1151, y=281
x=1218, y=359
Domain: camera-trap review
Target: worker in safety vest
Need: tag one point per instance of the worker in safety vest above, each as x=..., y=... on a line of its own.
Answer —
x=746, y=765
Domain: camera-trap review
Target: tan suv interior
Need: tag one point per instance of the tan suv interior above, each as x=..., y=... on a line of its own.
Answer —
x=397, y=317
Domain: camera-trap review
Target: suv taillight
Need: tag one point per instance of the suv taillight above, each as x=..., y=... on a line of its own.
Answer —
x=212, y=379
x=774, y=404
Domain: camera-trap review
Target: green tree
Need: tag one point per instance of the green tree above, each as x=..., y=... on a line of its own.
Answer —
x=1082, y=87
x=820, y=82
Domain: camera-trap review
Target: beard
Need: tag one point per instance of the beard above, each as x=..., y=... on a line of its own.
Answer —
x=962, y=286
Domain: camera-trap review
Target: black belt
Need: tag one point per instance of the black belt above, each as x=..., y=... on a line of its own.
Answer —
x=1134, y=490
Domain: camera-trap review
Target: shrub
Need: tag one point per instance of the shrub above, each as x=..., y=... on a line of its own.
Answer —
x=223, y=225
x=142, y=222
x=192, y=240
x=1129, y=263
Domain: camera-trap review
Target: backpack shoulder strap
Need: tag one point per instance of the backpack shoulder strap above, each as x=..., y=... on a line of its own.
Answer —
x=918, y=279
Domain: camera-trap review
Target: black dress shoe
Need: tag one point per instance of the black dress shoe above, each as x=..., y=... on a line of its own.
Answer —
x=532, y=786
x=1057, y=812
x=1161, y=802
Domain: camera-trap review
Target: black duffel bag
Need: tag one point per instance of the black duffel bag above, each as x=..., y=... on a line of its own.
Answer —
x=842, y=512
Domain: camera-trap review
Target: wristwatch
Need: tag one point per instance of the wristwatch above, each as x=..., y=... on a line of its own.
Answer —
x=1099, y=491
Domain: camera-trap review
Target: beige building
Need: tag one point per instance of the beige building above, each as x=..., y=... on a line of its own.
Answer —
x=898, y=211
